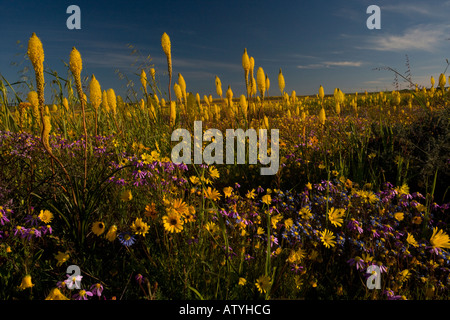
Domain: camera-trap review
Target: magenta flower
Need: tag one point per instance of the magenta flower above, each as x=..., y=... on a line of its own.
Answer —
x=82, y=295
x=97, y=289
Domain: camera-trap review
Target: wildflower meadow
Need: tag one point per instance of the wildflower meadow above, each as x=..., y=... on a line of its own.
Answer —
x=93, y=205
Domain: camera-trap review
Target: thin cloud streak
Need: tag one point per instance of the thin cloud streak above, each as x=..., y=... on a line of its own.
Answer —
x=330, y=64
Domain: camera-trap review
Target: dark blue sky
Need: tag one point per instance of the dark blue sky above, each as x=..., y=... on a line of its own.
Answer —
x=314, y=42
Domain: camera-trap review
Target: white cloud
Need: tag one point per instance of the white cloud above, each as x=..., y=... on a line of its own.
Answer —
x=423, y=38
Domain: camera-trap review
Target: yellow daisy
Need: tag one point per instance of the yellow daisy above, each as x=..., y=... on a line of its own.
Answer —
x=98, y=228
x=328, y=238
x=139, y=227
x=172, y=222
x=45, y=216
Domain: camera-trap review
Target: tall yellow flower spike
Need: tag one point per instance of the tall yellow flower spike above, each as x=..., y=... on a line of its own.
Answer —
x=322, y=117
x=75, y=63
x=182, y=85
x=281, y=83
x=173, y=113
x=267, y=84
x=112, y=100
x=442, y=81
x=167, y=48
x=321, y=93
x=46, y=133
x=219, y=87
x=261, y=81
x=95, y=92
x=36, y=54
x=144, y=80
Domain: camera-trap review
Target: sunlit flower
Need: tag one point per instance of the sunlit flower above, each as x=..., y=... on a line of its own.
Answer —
x=150, y=210
x=439, y=239
x=112, y=233
x=399, y=216
x=96, y=289
x=55, y=294
x=98, y=228
x=73, y=282
x=126, y=238
x=139, y=227
x=242, y=281
x=250, y=194
x=336, y=216
x=328, y=238
x=263, y=284
x=61, y=257
x=213, y=172
x=26, y=283
x=281, y=82
x=82, y=295
x=172, y=222
x=126, y=195
x=211, y=194
x=227, y=191
x=410, y=239
x=46, y=216
x=267, y=199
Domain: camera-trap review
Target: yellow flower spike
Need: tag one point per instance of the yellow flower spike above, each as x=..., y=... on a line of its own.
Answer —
x=322, y=116
x=252, y=64
x=245, y=61
x=34, y=100
x=281, y=83
x=65, y=103
x=261, y=81
x=182, y=85
x=253, y=86
x=218, y=87
x=46, y=132
x=35, y=53
x=432, y=81
x=442, y=81
x=166, y=46
x=104, y=103
x=153, y=74
x=95, y=93
x=173, y=113
x=244, y=105
x=26, y=283
x=75, y=63
x=321, y=93
x=177, y=90
x=229, y=95
x=206, y=99
x=144, y=80
x=338, y=108
x=266, y=122
x=112, y=100
x=267, y=84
